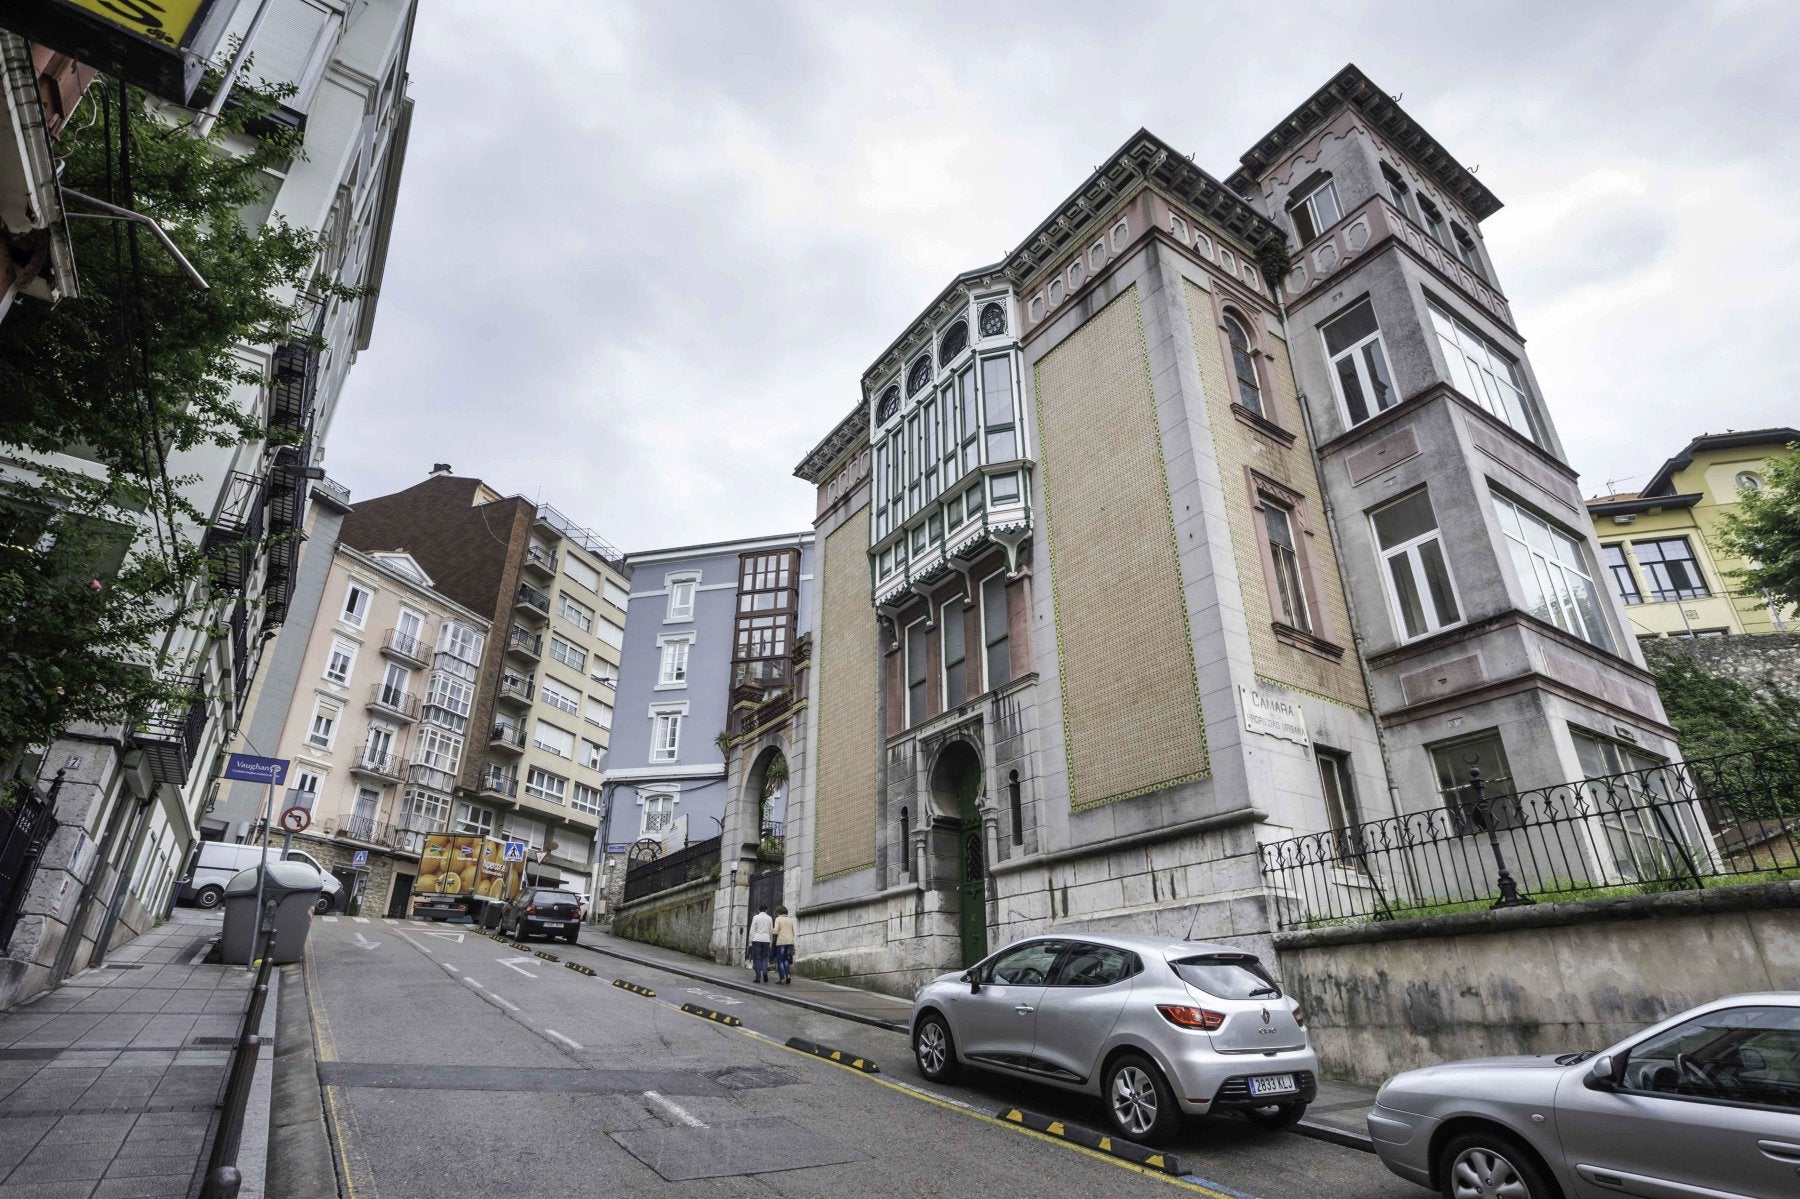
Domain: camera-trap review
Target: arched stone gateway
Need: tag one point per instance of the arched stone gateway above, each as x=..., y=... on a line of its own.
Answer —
x=956, y=803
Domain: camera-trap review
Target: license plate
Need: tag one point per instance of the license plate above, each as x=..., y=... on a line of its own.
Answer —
x=560, y=923
x=1273, y=1084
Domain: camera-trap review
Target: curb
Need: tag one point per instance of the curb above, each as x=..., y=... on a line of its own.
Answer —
x=1087, y=1138
x=706, y=1013
x=834, y=1055
x=824, y=1009
x=1333, y=1135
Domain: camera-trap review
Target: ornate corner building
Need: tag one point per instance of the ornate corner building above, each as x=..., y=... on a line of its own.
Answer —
x=1214, y=514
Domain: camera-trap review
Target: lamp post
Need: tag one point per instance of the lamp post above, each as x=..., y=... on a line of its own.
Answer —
x=1509, y=887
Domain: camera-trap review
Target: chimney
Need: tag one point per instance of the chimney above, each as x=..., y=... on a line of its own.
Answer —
x=439, y=469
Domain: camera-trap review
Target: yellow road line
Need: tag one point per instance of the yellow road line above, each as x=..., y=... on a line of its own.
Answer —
x=340, y=1126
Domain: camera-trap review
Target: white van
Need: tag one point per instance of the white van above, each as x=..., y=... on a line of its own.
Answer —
x=214, y=863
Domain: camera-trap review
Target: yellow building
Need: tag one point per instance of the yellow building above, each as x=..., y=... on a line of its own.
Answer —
x=1661, y=544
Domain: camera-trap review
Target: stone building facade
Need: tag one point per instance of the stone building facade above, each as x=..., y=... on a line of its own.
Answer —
x=1178, y=531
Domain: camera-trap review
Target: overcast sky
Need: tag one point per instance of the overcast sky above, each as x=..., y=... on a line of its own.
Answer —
x=644, y=252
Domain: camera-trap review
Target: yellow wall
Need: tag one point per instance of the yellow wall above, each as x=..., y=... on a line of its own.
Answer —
x=849, y=742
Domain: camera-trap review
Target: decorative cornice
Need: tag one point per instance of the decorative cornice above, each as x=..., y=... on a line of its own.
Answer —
x=822, y=457
x=1385, y=116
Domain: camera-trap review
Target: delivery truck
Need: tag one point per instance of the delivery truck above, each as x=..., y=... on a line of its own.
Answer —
x=465, y=875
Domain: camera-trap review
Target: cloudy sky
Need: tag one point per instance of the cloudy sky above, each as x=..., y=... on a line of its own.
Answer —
x=644, y=252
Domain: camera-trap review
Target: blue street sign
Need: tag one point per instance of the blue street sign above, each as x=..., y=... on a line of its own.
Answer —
x=358, y=860
x=515, y=851
x=247, y=768
x=617, y=848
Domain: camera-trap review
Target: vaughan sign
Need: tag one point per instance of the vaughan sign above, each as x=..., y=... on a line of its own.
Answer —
x=271, y=772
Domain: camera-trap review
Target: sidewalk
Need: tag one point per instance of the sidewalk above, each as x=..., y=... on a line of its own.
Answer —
x=1335, y=1116
x=109, y=1085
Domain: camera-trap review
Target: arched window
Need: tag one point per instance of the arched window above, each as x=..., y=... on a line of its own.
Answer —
x=955, y=341
x=906, y=839
x=890, y=404
x=1018, y=807
x=993, y=320
x=1243, y=365
x=919, y=377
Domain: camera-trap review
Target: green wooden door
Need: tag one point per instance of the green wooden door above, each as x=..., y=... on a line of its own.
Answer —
x=972, y=889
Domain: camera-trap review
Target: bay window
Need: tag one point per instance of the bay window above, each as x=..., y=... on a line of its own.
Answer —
x=1359, y=365
x=1552, y=572
x=1483, y=371
x=1624, y=582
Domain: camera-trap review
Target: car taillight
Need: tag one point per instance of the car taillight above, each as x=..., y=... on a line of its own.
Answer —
x=1191, y=1017
x=531, y=909
x=1299, y=1017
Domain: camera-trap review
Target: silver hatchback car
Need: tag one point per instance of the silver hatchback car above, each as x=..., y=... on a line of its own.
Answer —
x=1156, y=1028
x=1704, y=1104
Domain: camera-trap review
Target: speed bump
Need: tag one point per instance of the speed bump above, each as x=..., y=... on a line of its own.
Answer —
x=705, y=1013
x=518, y=945
x=1087, y=1138
x=834, y=1055
x=548, y=957
x=634, y=988
x=578, y=968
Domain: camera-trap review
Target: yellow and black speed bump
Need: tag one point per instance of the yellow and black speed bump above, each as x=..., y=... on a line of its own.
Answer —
x=517, y=945
x=705, y=1013
x=1087, y=1138
x=548, y=957
x=578, y=968
x=633, y=988
x=834, y=1055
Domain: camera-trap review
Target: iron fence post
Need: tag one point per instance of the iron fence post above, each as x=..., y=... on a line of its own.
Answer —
x=1509, y=887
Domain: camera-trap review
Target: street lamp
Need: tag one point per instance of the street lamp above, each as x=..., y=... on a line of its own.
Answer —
x=1509, y=887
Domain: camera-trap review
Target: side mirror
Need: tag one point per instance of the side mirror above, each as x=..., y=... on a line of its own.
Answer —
x=970, y=977
x=1603, y=1073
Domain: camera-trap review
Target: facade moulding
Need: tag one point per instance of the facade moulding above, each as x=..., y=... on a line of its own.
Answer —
x=1526, y=682
x=1512, y=618
x=1419, y=399
x=1204, y=824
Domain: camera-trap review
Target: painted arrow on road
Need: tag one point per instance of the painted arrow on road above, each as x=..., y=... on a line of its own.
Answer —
x=509, y=964
x=457, y=937
x=363, y=942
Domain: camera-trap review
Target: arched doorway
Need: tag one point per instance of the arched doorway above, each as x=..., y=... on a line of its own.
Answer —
x=765, y=793
x=955, y=792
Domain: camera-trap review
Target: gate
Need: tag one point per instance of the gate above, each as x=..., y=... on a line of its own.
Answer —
x=766, y=890
x=972, y=900
x=25, y=825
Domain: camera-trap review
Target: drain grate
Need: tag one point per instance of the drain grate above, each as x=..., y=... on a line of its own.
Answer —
x=212, y=1040
x=124, y=965
x=751, y=1078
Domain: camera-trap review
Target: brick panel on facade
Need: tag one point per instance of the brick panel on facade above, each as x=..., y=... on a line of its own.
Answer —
x=1131, y=702
x=1238, y=446
x=849, y=741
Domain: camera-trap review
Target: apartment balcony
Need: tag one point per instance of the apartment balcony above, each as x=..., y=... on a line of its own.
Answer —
x=170, y=734
x=497, y=783
x=366, y=830
x=525, y=644
x=507, y=736
x=393, y=702
x=431, y=778
x=406, y=649
x=531, y=603
x=231, y=540
x=383, y=767
x=540, y=561
x=293, y=386
x=515, y=689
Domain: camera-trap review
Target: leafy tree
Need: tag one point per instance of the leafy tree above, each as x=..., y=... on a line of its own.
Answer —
x=95, y=569
x=1765, y=529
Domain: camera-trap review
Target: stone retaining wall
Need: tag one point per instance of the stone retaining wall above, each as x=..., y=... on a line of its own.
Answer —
x=679, y=918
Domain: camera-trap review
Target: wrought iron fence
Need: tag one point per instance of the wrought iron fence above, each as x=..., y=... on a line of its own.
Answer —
x=671, y=870
x=27, y=818
x=1674, y=826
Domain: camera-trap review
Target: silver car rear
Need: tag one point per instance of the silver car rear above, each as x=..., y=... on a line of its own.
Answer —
x=1156, y=1028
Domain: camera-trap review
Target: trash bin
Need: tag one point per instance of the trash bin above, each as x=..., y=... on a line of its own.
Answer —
x=292, y=887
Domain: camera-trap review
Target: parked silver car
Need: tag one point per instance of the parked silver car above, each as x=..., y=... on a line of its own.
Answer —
x=1704, y=1104
x=1156, y=1028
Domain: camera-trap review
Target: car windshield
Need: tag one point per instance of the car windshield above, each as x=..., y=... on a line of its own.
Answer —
x=1227, y=976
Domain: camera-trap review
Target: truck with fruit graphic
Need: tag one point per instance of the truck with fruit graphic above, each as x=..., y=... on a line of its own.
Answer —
x=463, y=875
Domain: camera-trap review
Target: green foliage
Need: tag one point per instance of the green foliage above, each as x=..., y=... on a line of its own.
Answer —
x=138, y=367
x=1716, y=713
x=1765, y=530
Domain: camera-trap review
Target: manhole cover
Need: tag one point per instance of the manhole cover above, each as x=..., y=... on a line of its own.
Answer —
x=751, y=1078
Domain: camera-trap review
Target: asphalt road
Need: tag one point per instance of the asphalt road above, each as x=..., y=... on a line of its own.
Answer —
x=456, y=1066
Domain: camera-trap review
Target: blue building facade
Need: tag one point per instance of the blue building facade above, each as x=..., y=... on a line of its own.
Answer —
x=704, y=621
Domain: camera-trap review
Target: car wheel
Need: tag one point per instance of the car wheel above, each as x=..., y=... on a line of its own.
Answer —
x=935, y=1049
x=1139, y=1102
x=1276, y=1115
x=321, y=905
x=574, y=937
x=208, y=897
x=1481, y=1164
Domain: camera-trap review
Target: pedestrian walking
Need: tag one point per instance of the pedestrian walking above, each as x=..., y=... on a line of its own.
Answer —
x=784, y=945
x=762, y=932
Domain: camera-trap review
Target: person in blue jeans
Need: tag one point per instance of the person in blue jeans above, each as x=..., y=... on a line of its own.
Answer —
x=784, y=944
x=762, y=933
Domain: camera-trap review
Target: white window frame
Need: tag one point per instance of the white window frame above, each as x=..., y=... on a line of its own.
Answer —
x=347, y=648
x=438, y=745
x=674, y=652
x=548, y=683
x=1309, y=203
x=1299, y=615
x=599, y=724
x=593, y=754
x=355, y=588
x=556, y=795
x=1411, y=551
x=417, y=621
x=537, y=739
x=574, y=611
x=646, y=803
x=684, y=591
x=1533, y=567
x=333, y=715
x=619, y=597
x=569, y=650
x=520, y=828
x=672, y=717
x=586, y=799
x=461, y=641
x=572, y=564
x=1359, y=363
x=609, y=632
x=1482, y=370
x=466, y=822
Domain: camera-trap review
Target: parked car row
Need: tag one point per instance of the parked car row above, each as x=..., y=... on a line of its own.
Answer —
x=1706, y=1103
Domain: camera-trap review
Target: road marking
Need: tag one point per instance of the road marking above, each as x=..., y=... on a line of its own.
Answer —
x=363, y=942
x=360, y=919
x=569, y=1041
x=508, y=1004
x=470, y=981
x=329, y=919
x=457, y=937
x=674, y=1109
x=448, y=966
x=508, y=963
x=716, y=998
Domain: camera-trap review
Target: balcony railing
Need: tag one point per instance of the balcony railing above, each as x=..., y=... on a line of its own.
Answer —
x=169, y=735
x=587, y=539
x=230, y=541
x=530, y=599
x=406, y=647
x=293, y=386
x=507, y=735
x=523, y=641
x=540, y=559
x=517, y=689
x=497, y=782
x=379, y=764
x=403, y=704
x=368, y=829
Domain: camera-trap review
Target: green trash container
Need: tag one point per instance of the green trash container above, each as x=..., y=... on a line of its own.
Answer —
x=292, y=888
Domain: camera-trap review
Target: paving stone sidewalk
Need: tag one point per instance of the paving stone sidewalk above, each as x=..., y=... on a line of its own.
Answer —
x=109, y=1084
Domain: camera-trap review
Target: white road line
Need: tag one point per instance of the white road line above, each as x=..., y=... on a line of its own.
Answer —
x=508, y=1004
x=470, y=981
x=329, y=919
x=360, y=919
x=569, y=1041
x=508, y=963
x=448, y=966
x=674, y=1109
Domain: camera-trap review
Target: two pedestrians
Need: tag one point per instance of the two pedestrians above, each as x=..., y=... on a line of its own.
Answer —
x=784, y=944
x=762, y=933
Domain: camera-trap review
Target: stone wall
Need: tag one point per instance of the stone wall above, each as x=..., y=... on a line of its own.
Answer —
x=1381, y=998
x=1752, y=659
x=679, y=918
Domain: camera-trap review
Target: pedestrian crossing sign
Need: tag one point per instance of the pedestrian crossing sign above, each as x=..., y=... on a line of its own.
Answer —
x=515, y=851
